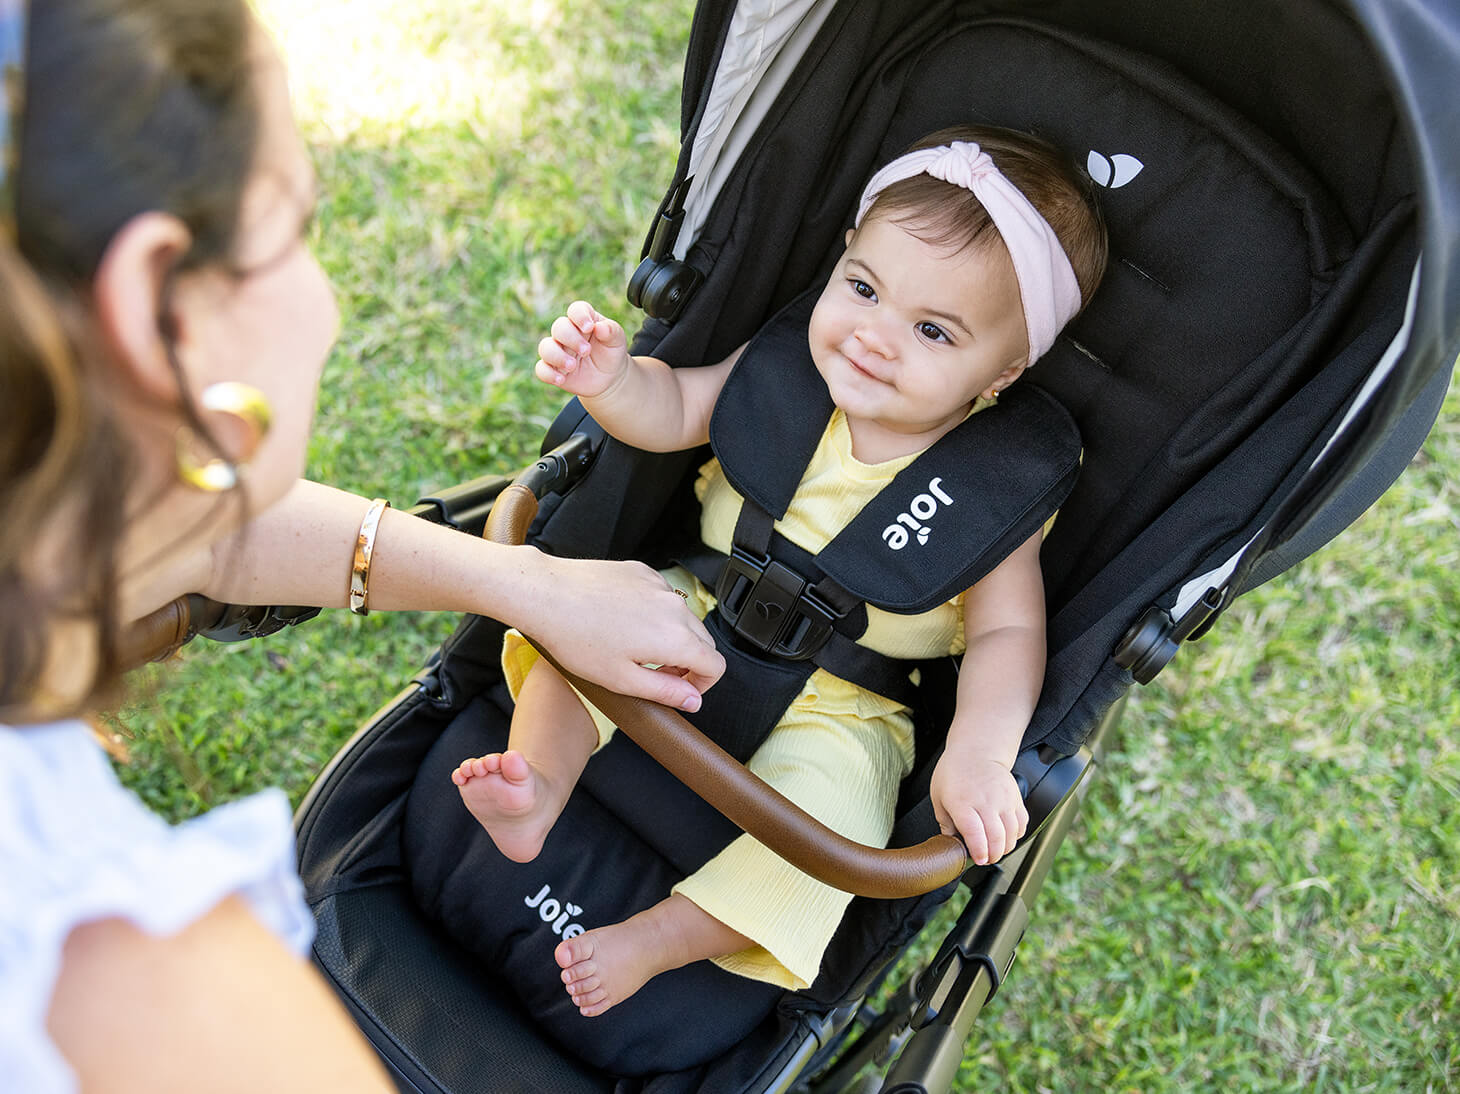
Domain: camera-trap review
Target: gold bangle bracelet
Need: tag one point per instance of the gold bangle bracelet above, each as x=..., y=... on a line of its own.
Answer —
x=364, y=549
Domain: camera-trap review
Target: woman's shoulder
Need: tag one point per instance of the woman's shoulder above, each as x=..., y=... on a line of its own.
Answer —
x=76, y=846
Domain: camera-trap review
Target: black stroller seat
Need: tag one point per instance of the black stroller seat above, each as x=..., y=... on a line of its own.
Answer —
x=1254, y=280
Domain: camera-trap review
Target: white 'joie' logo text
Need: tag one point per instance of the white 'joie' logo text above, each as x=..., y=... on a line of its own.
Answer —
x=922, y=508
x=556, y=913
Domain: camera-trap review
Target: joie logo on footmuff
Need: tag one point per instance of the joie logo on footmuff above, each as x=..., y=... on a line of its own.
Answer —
x=555, y=912
x=922, y=508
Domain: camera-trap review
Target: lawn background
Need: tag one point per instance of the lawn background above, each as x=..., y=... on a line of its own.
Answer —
x=1262, y=892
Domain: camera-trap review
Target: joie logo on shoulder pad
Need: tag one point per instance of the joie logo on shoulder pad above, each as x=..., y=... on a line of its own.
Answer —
x=922, y=508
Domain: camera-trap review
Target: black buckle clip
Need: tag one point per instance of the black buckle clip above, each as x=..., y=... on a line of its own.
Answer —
x=772, y=607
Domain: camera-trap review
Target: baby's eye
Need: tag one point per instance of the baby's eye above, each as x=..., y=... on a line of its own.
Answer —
x=933, y=332
x=861, y=288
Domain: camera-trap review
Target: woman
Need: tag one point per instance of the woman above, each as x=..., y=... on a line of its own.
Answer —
x=162, y=331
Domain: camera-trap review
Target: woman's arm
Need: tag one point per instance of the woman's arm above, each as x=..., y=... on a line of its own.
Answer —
x=220, y=1006
x=604, y=620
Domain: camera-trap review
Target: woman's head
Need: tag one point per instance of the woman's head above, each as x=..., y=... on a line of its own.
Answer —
x=159, y=192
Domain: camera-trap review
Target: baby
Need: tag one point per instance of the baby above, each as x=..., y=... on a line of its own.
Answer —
x=969, y=254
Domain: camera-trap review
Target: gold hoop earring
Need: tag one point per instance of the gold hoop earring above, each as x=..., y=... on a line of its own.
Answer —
x=242, y=401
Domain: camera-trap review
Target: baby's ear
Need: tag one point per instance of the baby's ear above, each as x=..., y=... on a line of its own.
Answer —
x=1007, y=377
x=851, y=234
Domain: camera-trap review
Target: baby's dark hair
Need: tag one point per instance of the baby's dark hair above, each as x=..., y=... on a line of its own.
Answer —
x=944, y=215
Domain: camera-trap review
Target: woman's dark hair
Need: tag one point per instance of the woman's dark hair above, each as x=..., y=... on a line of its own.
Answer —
x=942, y=214
x=129, y=106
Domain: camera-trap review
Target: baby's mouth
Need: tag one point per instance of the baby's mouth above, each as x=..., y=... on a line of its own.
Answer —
x=858, y=367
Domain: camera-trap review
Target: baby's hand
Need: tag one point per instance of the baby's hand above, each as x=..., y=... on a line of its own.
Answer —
x=585, y=354
x=978, y=799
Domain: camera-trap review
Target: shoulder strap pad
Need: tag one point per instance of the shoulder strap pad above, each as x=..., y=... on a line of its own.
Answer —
x=947, y=519
x=772, y=410
x=959, y=509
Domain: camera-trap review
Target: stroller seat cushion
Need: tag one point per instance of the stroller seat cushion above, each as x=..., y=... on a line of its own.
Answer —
x=511, y=916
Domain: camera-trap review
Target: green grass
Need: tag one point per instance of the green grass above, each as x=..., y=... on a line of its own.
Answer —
x=1261, y=893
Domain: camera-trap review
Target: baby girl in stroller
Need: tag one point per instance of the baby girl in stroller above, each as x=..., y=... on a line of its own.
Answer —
x=968, y=256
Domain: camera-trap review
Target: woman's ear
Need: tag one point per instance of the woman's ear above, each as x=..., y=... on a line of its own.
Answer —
x=129, y=294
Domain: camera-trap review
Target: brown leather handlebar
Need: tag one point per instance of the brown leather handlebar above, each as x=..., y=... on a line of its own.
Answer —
x=157, y=636
x=713, y=774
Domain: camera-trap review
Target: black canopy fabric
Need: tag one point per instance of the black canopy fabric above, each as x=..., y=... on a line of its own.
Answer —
x=1313, y=71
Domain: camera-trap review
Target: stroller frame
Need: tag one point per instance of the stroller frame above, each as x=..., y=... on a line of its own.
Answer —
x=1363, y=449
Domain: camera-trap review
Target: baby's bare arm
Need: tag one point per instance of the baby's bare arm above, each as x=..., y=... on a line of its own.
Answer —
x=658, y=408
x=639, y=400
x=973, y=789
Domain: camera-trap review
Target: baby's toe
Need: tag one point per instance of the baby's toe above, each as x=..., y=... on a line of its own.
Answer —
x=582, y=985
x=592, y=1002
x=574, y=951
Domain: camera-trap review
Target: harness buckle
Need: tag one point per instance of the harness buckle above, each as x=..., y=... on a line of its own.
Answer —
x=772, y=607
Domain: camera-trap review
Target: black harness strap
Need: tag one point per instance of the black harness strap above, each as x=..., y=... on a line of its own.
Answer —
x=769, y=580
x=946, y=519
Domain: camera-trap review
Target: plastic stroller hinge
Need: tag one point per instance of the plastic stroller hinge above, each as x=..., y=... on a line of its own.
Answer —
x=240, y=622
x=1151, y=642
x=560, y=469
x=662, y=285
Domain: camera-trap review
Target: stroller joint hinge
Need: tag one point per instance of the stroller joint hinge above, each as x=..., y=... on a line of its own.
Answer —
x=991, y=950
x=1151, y=641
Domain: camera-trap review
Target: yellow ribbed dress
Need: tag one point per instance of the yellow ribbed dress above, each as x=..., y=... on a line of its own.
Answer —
x=839, y=751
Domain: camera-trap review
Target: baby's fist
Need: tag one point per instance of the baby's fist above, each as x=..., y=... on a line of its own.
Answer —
x=584, y=353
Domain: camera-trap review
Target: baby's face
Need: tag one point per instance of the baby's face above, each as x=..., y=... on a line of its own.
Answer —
x=906, y=336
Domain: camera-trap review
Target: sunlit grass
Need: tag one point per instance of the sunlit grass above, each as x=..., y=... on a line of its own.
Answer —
x=1262, y=893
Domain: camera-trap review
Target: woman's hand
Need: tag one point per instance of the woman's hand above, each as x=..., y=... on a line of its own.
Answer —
x=607, y=621
x=585, y=354
x=977, y=799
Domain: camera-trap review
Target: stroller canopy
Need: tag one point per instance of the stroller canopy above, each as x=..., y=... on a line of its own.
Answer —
x=1358, y=92
x=742, y=54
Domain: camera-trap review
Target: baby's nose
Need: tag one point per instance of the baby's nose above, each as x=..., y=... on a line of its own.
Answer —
x=874, y=339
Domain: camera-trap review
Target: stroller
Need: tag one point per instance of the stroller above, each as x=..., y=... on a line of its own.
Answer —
x=1267, y=352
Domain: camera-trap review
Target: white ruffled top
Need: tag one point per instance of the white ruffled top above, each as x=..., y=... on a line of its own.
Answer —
x=76, y=846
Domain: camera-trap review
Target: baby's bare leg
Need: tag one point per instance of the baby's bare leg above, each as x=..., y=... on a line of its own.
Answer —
x=517, y=795
x=606, y=965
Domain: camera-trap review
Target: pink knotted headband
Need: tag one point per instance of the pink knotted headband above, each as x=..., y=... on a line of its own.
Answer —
x=1047, y=286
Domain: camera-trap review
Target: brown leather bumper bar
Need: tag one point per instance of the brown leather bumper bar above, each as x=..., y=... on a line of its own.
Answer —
x=803, y=841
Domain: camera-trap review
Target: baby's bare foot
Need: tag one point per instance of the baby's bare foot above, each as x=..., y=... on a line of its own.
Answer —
x=511, y=800
x=606, y=965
